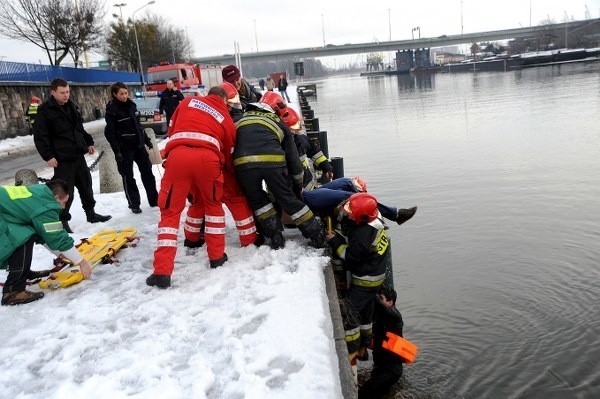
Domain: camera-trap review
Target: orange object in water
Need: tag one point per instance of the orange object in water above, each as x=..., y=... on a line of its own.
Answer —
x=401, y=347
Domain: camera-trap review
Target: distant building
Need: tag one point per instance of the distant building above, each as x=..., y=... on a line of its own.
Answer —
x=442, y=58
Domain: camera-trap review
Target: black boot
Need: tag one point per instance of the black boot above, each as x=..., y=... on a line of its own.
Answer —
x=277, y=241
x=219, y=262
x=94, y=217
x=33, y=274
x=136, y=210
x=193, y=244
x=20, y=297
x=158, y=280
x=260, y=240
x=404, y=215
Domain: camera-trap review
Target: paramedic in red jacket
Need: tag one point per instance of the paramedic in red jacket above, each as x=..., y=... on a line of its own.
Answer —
x=200, y=143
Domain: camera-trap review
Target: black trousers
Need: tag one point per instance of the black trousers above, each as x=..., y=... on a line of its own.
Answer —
x=280, y=186
x=19, y=265
x=139, y=155
x=76, y=174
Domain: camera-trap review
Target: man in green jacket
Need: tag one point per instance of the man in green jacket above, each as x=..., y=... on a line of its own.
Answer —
x=30, y=214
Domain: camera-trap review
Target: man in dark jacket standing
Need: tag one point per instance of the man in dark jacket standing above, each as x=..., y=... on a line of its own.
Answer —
x=126, y=137
x=282, y=87
x=169, y=100
x=62, y=141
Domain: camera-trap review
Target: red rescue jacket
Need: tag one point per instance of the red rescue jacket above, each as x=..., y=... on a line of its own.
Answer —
x=203, y=122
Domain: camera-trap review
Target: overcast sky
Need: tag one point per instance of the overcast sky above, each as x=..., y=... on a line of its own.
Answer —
x=214, y=26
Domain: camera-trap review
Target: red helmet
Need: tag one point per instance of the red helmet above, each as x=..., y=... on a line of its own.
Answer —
x=359, y=184
x=275, y=101
x=233, y=97
x=35, y=100
x=291, y=119
x=361, y=207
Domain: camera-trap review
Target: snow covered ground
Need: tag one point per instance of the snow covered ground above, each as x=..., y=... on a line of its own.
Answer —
x=258, y=327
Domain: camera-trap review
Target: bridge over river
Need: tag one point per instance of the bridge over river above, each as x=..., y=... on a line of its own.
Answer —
x=395, y=45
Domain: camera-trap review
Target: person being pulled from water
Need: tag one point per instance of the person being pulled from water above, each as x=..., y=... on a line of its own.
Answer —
x=127, y=138
x=387, y=366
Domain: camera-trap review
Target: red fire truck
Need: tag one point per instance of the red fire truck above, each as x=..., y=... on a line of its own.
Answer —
x=184, y=76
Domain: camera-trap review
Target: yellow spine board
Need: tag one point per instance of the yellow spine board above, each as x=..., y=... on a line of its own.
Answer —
x=102, y=245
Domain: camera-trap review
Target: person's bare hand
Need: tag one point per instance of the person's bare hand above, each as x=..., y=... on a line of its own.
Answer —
x=53, y=163
x=85, y=269
x=91, y=150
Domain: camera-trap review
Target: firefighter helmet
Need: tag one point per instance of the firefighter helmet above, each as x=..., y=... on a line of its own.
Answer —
x=233, y=97
x=35, y=100
x=361, y=207
x=359, y=184
x=275, y=101
x=291, y=119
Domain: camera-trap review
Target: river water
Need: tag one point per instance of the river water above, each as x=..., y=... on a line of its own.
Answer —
x=498, y=273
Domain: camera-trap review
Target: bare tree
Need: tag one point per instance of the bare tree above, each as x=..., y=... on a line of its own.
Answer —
x=157, y=38
x=54, y=25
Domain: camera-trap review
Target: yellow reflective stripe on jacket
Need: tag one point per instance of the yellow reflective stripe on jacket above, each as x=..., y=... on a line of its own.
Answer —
x=318, y=158
x=266, y=123
x=258, y=158
x=380, y=243
x=17, y=192
x=53, y=227
x=341, y=251
x=368, y=281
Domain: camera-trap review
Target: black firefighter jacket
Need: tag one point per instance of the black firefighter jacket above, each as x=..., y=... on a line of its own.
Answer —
x=58, y=132
x=264, y=141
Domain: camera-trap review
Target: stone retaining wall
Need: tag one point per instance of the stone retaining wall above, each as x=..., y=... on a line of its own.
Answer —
x=15, y=97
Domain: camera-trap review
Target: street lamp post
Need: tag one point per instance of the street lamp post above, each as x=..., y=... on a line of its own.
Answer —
x=120, y=5
x=137, y=43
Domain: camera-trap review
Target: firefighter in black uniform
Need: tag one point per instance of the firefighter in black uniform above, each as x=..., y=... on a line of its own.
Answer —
x=61, y=140
x=387, y=366
x=361, y=242
x=126, y=137
x=265, y=150
x=169, y=100
x=307, y=148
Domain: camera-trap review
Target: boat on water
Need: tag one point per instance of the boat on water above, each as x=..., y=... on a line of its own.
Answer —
x=505, y=62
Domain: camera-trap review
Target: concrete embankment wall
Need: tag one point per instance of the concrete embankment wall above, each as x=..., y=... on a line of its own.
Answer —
x=15, y=98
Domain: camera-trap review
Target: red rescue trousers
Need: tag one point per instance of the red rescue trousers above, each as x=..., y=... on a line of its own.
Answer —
x=196, y=170
x=237, y=204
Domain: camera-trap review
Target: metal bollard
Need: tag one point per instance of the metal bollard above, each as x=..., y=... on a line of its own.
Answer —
x=110, y=179
x=337, y=163
x=321, y=139
x=153, y=153
x=313, y=124
x=309, y=114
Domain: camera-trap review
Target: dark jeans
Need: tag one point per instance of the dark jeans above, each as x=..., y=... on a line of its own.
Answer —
x=139, y=155
x=76, y=174
x=19, y=264
x=331, y=194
